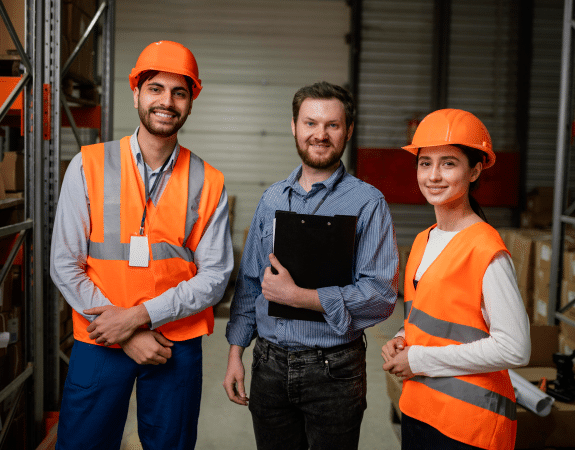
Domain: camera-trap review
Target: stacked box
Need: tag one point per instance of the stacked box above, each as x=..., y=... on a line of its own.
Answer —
x=76, y=16
x=539, y=208
x=16, y=11
x=566, y=345
x=521, y=245
x=12, y=171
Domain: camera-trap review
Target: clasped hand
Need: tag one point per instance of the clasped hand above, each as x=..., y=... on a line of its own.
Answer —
x=113, y=324
x=394, y=353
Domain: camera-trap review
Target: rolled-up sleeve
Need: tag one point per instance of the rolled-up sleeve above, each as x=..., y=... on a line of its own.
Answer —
x=372, y=297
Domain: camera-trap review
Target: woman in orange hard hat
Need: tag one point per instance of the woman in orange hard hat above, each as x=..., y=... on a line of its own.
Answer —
x=465, y=322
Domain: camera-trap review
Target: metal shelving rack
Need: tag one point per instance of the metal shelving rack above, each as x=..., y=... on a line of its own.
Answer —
x=562, y=212
x=42, y=105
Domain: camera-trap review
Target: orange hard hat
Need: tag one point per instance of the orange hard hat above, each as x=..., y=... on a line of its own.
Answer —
x=453, y=127
x=167, y=56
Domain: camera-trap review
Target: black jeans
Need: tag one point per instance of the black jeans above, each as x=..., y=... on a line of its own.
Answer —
x=308, y=399
x=417, y=435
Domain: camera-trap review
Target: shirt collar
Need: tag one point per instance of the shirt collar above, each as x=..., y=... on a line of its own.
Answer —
x=137, y=152
x=292, y=180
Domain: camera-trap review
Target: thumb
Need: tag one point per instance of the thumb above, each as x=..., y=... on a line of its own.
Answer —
x=241, y=388
x=162, y=340
x=275, y=262
x=97, y=310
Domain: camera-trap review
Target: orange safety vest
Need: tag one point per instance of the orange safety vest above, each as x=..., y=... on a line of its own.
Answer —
x=174, y=228
x=445, y=309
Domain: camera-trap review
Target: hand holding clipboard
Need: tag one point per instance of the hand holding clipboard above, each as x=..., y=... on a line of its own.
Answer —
x=317, y=251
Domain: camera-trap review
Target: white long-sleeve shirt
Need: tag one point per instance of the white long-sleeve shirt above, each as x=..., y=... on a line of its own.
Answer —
x=509, y=343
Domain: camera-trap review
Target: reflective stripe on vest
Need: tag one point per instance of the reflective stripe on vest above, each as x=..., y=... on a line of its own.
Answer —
x=471, y=393
x=112, y=248
x=447, y=330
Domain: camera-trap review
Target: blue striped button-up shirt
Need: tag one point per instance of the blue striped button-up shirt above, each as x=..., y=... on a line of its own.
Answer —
x=349, y=309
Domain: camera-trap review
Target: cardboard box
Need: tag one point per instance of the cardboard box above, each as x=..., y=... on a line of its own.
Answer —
x=11, y=290
x=6, y=293
x=542, y=262
x=567, y=330
x=540, y=308
x=76, y=16
x=521, y=246
x=12, y=171
x=567, y=296
x=566, y=345
x=530, y=219
x=540, y=200
x=2, y=189
x=569, y=264
x=554, y=430
x=16, y=11
x=544, y=342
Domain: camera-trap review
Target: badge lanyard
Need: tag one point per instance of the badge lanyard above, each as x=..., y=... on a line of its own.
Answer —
x=321, y=201
x=139, y=250
x=316, y=208
x=149, y=193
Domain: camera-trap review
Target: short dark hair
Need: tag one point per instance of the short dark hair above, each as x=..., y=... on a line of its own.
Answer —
x=325, y=91
x=148, y=74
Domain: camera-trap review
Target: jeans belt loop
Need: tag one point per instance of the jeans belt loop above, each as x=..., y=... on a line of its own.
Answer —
x=266, y=350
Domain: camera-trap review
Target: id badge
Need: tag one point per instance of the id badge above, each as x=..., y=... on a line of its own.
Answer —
x=139, y=251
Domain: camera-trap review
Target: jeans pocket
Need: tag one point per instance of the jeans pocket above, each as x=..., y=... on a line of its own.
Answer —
x=258, y=357
x=347, y=366
x=85, y=365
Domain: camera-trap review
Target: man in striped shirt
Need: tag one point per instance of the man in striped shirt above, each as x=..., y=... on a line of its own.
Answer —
x=308, y=377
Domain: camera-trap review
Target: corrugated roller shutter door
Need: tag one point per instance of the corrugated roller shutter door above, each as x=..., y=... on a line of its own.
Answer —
x=394, y=86
x=482, y=66
x=252, y=55
x=544, y=100
x=396, y=75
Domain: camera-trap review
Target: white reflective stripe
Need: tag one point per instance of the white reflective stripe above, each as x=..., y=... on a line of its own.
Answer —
x=163, y=250
x=112, y=249
x=471, y=393
x=102, y=250
x=195, y=188
x=112, y=189
x=463, y=334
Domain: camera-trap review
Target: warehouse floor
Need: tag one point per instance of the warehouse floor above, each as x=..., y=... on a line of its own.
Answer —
x=225, y=425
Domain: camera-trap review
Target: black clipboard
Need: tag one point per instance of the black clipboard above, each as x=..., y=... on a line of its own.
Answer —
x=317, y=251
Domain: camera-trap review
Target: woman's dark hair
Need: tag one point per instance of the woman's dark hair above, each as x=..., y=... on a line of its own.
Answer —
x=474, y=156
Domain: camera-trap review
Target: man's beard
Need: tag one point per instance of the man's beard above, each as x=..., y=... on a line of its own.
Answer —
x=160, y=131
x=316, y=163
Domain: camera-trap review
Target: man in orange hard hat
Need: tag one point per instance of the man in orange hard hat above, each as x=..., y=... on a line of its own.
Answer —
x=141, y=257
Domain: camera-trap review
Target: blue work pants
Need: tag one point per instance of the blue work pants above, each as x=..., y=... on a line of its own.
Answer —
x=97, y=394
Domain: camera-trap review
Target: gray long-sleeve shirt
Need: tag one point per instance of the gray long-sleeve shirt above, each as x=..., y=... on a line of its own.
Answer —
x=213, y=256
